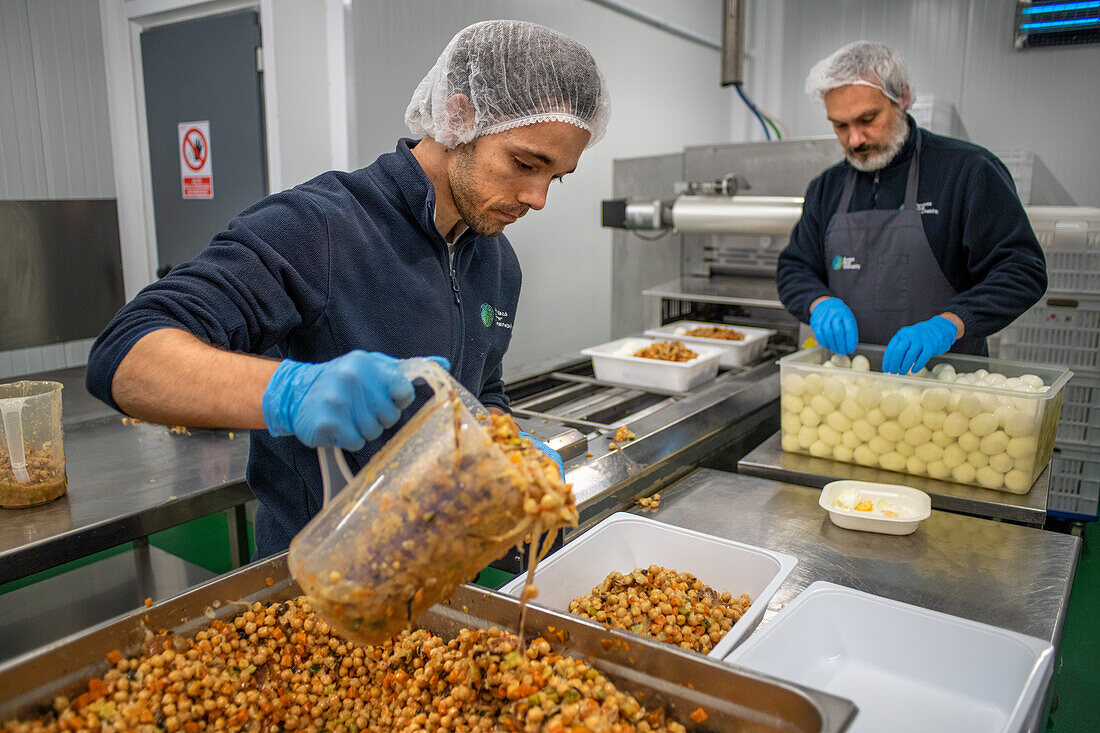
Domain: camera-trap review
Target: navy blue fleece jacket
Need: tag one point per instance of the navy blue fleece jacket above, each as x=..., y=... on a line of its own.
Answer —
x=345, y=261
x=975, y=223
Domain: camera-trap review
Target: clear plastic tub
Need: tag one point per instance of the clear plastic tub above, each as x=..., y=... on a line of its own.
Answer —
x=734, y=353
x=614, y=362
x=32, y=454
x=440, y=501
x=993, y=437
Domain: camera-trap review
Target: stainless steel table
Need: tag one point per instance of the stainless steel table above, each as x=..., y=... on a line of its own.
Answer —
x=1002, y=574
x=125, y=483
x=769, y=460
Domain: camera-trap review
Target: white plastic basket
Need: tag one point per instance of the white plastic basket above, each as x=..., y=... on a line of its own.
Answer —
x=1080, y=422
x=623, y=542
x=1070, y=237
x=613, y=362
x=734, y=353
x=1059, y=330
x=1074, y=484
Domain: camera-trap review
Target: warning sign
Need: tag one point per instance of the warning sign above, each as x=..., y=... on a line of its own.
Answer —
x=196, y=166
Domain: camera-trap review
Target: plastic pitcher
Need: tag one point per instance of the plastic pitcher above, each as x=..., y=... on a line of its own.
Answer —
x=32, y=456
x=439, y=502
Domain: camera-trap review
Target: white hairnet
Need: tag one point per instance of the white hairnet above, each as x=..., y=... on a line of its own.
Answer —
x=513, y=73
x=865, y=63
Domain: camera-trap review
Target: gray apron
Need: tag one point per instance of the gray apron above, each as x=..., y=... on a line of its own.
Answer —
x=879, y=262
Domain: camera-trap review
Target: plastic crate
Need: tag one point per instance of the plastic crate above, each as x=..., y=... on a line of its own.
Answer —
x=1074, y=484
x=1059, y=330
x=1070, y=237
x=1080, y=423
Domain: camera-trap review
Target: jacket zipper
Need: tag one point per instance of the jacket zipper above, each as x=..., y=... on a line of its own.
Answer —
x=874, y=191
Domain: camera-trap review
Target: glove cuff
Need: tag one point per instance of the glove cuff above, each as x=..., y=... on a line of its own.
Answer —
x=950, y=330
x=279, y=398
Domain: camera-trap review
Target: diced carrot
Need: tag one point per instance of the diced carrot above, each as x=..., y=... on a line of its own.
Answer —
x=114, y=656
x=148, y=602
x=699, y=715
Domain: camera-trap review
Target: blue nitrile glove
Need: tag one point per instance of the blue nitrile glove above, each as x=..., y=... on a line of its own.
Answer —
x=547, y=450
x=834, y=326
x=911, y=347
x=343, y=402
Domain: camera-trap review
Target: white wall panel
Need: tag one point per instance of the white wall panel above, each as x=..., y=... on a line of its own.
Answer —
x=22, y=158
x=664, y=94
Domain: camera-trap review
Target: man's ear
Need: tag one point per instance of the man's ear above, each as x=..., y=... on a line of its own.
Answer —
x=906, y=99
x=460, y=113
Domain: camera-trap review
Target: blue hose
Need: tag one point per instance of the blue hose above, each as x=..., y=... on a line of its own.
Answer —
x=752, y=108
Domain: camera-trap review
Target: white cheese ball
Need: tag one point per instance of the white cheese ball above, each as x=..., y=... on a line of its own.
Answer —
x=913, y=464
x=792, y=384
x=938, y=469
x=969, y=442
x=929, y=452
x=981, y=373
x=983, y=424
x=905, y=449
x=821, y=449
x=875, y=417
x=1014, y=383
x=935, y=399
x=1031, y=380
x=891, y=431
x=989, y=478
x=995, y=379
x=947, y=375
x=1002, y=413
x=953, y=456
x=969, y=405
x=955, y=425
x=964, y=473
x=840, y=360
x=807, y=436
x=864, y=430
x=837, y=421
x=892, y=404
x=1001, y=462
x=918, y=435
x=989, y=402
x=812, y=384
x=911, y=415
x=880, y=445
x=850, y=440
x=809, y=417
x=821, y=404
x=1018, y=481
x=995, y=443
x=835, y=390
x=1021, y=447
x=860, y=363
x=934, y=420
x=791, y=403
x=941, y=438
x=842, y=453
x=977, y=459
x=790, y=443
x=892, y=461
x=828, y=436
x=1021, y=425
x=868, y=397
x=790, y=424
x=864, y=456
x=851, y=409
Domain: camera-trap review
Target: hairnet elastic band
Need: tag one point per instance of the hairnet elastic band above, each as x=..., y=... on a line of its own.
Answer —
x=863, y=83
x=533, y=119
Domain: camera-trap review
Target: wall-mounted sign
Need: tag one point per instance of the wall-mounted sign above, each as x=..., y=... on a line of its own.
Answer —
x=196, y=164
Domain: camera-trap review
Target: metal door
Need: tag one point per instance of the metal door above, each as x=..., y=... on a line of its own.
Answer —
x=200, y=70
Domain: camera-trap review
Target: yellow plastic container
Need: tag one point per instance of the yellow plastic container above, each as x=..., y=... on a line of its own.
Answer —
x=994, y=428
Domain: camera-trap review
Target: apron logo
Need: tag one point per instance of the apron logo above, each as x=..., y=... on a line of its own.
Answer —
x=926, y=208
x=490, y=315
x=845, y=263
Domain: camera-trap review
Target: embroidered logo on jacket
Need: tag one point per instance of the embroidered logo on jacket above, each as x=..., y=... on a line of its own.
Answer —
x=490, y=315
x=841, y=262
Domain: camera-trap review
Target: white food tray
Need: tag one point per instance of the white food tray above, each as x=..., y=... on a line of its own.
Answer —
x=905, y=667
x=623, y=542
x=918, y=502
x=613, y=362
x=734, y=353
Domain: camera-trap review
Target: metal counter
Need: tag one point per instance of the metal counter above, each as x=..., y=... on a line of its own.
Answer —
x=1001, y=574
x=769, y=460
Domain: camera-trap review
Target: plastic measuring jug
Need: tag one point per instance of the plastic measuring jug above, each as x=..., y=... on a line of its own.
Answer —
x=32, y=456
x=439, y=502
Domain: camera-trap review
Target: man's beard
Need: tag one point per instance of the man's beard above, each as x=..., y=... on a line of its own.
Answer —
x=885, y=152
x=463, y=182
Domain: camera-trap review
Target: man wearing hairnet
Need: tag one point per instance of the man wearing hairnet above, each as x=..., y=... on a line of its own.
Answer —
x=915, y=240
x=293, y=321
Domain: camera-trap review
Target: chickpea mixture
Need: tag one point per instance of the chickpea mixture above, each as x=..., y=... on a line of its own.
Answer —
x=436, y=528
x=716, y=332
x=48, y=481
x=663, y=604
x=667, y=351
x=279, y=667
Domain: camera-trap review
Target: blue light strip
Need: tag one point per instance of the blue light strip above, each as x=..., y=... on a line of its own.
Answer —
x=1059, y=7
x=1059, y=23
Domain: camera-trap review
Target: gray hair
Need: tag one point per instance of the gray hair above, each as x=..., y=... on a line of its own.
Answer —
x=865, y=63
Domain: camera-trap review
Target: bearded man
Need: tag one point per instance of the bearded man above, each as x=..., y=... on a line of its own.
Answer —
x=915, y=240
x=293, y=321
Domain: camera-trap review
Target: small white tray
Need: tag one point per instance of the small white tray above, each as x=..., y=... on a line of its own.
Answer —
x=623, y=542
x=914, y=500
x=734, y=353
x=613, y=362
x=905, y=667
